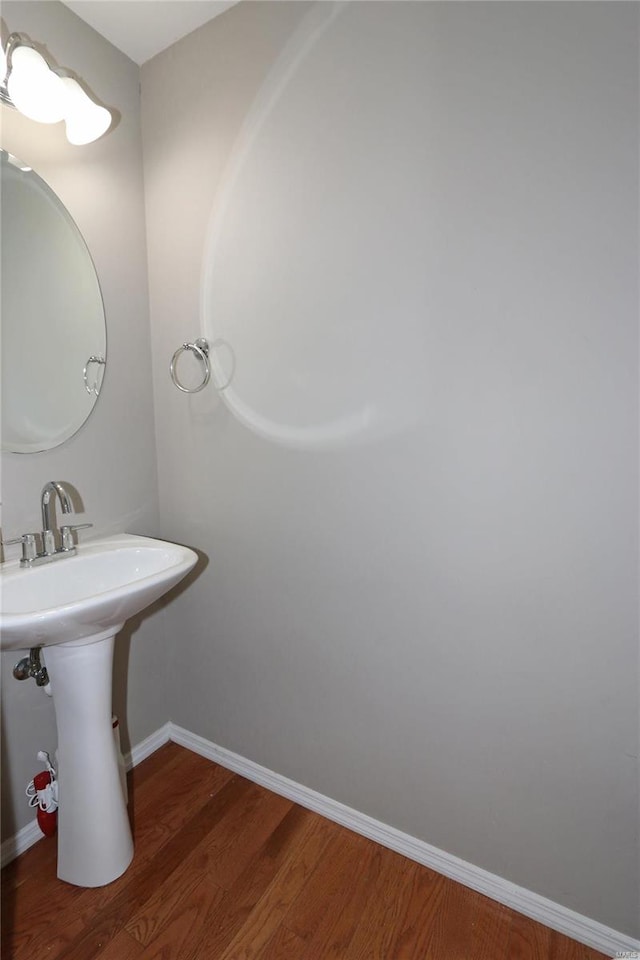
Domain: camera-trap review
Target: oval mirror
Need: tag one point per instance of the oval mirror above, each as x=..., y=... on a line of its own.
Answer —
x=52, y=334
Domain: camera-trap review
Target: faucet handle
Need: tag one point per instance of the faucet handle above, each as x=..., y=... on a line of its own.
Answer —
x=67, y=533
x=29, y=547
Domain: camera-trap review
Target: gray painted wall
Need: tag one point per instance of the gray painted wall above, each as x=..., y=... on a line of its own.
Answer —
x=419, y=500
x=111, y=461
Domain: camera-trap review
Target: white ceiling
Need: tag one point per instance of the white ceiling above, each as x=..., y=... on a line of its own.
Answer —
x=142, y=28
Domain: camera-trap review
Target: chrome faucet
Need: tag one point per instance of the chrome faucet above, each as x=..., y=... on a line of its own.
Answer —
x=30, y=555
x=52, y=488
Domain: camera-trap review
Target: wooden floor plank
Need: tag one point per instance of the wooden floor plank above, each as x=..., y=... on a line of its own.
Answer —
x=385, y=910
x=179, y=934
x=26, y=942
x=160, y=805
x=29, y=879
x=147, y=921
x=268, y=912
x=115, y=914
x=424, y=901
x=169, y=801
x=122, y=947
x=222, y=856
x=160, y=761
x=335, y=933
x=223, y=924
x=226, y=870
x=452, y=930
x=327, y=887
x=490, y=928
x=528, y=940
x=231, y=847
x=284, y=945
x=562, y=948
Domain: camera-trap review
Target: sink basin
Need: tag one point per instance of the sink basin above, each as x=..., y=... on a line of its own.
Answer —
x=75, y=607
x=78, y=598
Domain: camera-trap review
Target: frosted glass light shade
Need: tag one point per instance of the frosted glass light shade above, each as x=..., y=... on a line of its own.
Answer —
x=36, y=91
x=85, y=121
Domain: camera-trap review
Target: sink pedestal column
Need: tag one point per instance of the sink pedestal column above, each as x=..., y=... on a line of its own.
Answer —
x=94, y=838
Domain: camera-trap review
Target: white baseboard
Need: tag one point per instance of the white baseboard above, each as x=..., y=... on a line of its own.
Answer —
x=148, y=746
x=524, y=901
x=12, y=847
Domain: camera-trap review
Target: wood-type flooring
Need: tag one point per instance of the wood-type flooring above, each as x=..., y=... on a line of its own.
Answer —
x=226, y=870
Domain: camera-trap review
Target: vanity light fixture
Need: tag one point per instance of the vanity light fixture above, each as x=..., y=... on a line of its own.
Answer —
x=48, y=95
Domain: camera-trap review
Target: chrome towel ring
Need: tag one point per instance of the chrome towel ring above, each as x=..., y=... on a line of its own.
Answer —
x=201, y=350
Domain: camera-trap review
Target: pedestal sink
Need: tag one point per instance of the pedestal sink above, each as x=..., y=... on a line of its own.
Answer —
x=74, y=607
